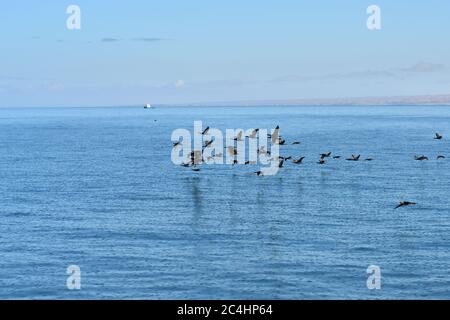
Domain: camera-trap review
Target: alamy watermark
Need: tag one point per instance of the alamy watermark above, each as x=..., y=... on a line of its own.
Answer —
x=206, y=146
x=374, y=279
x=374, y=19
x=73, y=22
x=74, y=277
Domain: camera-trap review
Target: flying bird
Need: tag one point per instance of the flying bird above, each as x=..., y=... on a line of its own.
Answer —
x=298, y=161
x=421, y=158
x=239, y=136
x=321, y=161
x=296, y=142
x=275, y=136
x=440, y=157
x=205, y=132
x=196, y=157
x=438, y=136
x=405, y=204
x=232, y=151
x=354, y=158
x=208, y=143
x=253, y=134
x=325, y=155
x=176, y=144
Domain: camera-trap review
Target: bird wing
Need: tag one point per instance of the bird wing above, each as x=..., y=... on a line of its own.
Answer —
x=197, y=157
x=275, y=135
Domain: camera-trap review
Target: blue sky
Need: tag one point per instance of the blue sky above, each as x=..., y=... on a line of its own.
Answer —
x=176, y=51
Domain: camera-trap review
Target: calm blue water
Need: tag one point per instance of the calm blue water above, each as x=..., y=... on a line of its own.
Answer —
x=96, y=188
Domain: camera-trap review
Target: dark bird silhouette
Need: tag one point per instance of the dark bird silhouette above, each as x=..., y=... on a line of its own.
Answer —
x=405, y=204
x=321, y=161
x=354, y=158
x=369, y=159
x=281, y=163
x=296, y=142
x=205, y=131
x=196, y=169
x=440, y=157
x=259, y=173
x=176, y=144
x=281, y=142
x=325, y=155
x=298, y=161
x=438, y=136
x=208, y=143
x=336, y=157
x=421, y=158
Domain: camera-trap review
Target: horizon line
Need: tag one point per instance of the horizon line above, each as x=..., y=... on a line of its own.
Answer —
x=400, y=100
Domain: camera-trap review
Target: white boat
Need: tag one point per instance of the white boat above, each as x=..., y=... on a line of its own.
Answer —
x=148, y=106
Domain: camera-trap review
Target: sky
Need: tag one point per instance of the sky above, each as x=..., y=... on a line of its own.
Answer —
x=177, y=51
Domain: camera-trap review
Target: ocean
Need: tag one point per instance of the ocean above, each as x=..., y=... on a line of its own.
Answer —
x=96, y=188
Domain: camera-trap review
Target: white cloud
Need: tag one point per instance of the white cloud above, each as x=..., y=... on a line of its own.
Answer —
x=179, y=83
x=425, y=67
x=399, y=73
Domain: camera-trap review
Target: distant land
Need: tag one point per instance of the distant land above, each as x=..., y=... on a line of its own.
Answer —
x=422, y=100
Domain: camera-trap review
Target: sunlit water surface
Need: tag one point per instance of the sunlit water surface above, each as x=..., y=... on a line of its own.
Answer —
x=96, y=187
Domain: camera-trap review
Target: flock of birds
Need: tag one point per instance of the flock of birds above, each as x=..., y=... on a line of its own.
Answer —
x=196, y=157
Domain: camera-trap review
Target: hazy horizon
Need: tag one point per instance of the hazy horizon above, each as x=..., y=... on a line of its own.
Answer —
x=422, y=100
